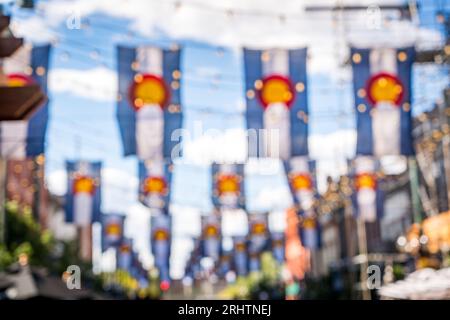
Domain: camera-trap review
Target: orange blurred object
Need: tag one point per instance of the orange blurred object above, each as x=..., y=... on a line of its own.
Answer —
x=276, y=89
x=84, y=184
x=385, y=87
x=19, y=80
x=437, y=231
x=365, y=181
x=259, y=228
x=297, y=256
x=228, y=184
x=154, y=185
x=113, y=229
x=301, y=182
x=211, y=231
x=149, y=90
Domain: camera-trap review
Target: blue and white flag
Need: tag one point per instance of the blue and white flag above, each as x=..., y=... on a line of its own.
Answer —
x=154, y=184
x=240, y=257
x=26, y=138
x=112, y=230
x=196, y=257
x=258, y=239
x=310, y=232
x=211, y=236
x=83, y=198
x=225, y=264
x=302, y=183
x=193, y=268
x=278, y=243
x=382, y=92
x=149, y=109
x=136, y=266
x=124, y=254
x=276, y=92
x=160, y=244
x=367, y=196
x=228, y=186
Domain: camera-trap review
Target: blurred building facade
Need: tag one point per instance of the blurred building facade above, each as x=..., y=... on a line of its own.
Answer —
x=26, y=186
x=432, y=140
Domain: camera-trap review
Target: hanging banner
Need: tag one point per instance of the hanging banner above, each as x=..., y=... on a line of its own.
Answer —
x=310, y=231
x=301, y=178
x=149, y=109
x=211, y=237
x=276, y=93
x=193, y=268
x=225, y=264
x=112, y=230
x=154, y=184
x=83, y=196
x=228, y=186
x=367, y=196
x=136, y=266
x=382, y=92
x=258, y=239
x=240, y=255
x=160, y=244
x=302, y=182
x=124, y=253
x=25, y=138
x=278, y=243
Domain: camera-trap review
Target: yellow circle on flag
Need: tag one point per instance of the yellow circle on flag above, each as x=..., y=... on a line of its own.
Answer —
x=228, y=184
x=113, y=229
x=277, y=89
x=385, y=87
x=161, y=235
x=211, y=231
x=366, y=181
x=149, y=90
x=259, y=228
x=125, y=248
x=84, y=185
x=301, y=182
x=309, y=223
x=155, y=185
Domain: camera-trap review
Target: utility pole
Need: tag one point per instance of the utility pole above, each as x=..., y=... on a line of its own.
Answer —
x=364, y=263
x=445, y=127
x=414, y=185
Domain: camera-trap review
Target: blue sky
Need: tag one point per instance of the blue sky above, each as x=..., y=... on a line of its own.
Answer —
x=82, y=91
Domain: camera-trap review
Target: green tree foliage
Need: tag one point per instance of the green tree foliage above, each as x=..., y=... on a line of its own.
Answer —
x=25, y=236
x=265, y=284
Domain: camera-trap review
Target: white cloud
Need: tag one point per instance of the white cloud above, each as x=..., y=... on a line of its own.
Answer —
x=34, y=29
x=326, y=37
x=332, y=151
x=278, y=198
x=98, y=84
x=214, y=145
